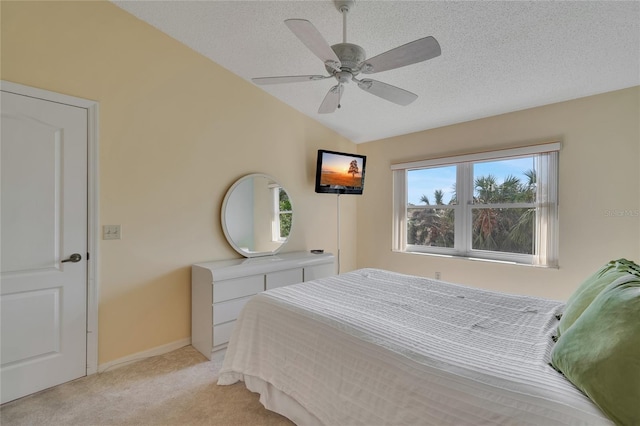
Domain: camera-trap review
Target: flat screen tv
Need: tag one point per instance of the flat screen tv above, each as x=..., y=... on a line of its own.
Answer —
x=340, y=172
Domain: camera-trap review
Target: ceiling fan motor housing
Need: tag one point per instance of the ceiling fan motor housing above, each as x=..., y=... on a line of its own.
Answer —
x=350, y=55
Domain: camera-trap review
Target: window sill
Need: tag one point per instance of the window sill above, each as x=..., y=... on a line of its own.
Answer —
x=477, y=259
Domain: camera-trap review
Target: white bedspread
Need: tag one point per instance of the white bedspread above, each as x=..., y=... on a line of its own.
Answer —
x=372, y=347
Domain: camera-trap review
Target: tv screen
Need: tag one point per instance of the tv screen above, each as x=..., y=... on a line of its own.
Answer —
x=340, y=172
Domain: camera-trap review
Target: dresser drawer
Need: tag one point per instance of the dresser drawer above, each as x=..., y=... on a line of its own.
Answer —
x=229, y=310
x=319, y=271
x=282, y=278
x=237, y=287
x=222, y=333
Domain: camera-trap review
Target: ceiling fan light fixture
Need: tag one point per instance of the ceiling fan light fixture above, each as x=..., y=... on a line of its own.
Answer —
x=343, y=76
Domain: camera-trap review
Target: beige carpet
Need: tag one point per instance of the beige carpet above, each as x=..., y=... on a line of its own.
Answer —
x=178, y=388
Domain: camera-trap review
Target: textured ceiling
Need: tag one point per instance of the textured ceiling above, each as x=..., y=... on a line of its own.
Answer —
x=497, y=56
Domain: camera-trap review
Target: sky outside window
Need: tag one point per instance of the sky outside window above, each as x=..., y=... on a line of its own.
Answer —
x=500, y=169
x=427, y=181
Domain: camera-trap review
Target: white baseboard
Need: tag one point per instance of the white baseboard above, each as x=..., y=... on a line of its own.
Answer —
x=158, y=350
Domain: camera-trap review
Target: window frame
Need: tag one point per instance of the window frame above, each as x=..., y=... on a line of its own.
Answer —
x=546, y=205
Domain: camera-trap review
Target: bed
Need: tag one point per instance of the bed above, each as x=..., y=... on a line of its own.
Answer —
x=374, y=347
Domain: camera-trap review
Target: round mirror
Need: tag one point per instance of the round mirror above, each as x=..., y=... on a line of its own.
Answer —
x=257, y=215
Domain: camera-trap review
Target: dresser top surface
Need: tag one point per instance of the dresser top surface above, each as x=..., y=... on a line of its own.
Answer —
x=222, y=269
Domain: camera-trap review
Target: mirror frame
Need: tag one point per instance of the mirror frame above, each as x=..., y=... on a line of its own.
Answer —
x=223, y=210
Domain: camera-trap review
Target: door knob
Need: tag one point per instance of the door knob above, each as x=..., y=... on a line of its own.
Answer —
x=75, y=257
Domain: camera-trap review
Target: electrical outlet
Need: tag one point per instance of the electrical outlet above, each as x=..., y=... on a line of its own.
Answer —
x=438, y=275
x=111, y=232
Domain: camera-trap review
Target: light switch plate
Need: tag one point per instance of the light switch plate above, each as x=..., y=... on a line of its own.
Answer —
x=111, y=232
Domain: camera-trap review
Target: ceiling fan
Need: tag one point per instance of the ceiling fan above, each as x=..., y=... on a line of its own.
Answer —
x=344, y=61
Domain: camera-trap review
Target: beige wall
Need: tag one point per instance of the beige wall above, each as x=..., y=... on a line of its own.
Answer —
x=599, y=172
x=176, y=130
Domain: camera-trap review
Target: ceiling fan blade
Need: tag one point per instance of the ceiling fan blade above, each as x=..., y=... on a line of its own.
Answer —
x=288, y=79
x=331, y=100
x=407, y=54
x=311, y=37
x=386, y=91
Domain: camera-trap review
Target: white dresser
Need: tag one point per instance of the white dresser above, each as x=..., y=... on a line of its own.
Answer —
x=220, y=289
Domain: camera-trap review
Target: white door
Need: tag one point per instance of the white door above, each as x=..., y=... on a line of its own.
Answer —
x=43, y=208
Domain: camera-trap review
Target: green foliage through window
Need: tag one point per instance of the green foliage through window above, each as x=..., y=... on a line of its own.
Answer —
x=285, y=213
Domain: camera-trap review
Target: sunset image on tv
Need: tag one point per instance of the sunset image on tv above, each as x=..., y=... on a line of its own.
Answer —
x=340, y=170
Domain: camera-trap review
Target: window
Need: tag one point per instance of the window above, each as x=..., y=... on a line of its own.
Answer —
x=498, y=205
x=282, y=214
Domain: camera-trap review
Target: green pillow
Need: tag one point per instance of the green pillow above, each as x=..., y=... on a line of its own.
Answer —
x=591, y=287
x=600, y=352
